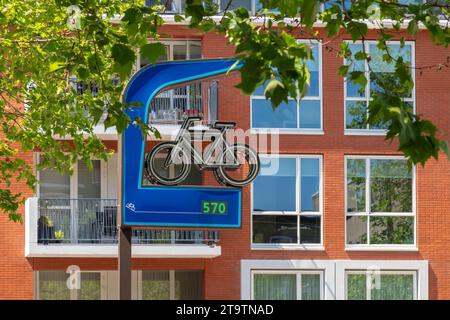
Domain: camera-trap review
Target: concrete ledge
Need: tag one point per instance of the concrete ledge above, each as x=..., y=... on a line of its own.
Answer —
x=110, y=251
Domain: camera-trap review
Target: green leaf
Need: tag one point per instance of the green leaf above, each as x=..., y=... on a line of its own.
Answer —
x=309, y=10
x=123, y=54
x=153, y=51
x=56, y=66
x=413, y=27
x=360, y=55
x=343, y=70
x=276, y=92
x=358, y=77
x=178, y=18
x=444, y=148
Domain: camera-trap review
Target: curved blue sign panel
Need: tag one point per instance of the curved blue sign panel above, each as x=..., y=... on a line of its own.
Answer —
x=170, y=206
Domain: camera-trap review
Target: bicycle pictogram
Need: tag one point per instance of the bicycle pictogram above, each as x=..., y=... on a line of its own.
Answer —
x=233, y=164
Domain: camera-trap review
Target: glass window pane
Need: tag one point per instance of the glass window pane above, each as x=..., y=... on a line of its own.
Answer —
x=264, y=116
x=309, y=184
x=53, y=286
x=383, y=73
x=275, y=287
x=179, y=52
x=355, y=90
x=390, y=186
x=188, y=285
x=274, y=189
x=355, y=114
x=310, y=114
x=310, y=286
x=313, y=67
x=356, y=230
x=89, y=180
x=236, y=4
x=274, y=229
x=356, y=287
x=260, y=90
x=195, y=51
x=155, y=285
x=90, y=286
x=309, y=229
x=392, y=230
x=393, y=287
x=356, y=185
x=53, y=185
x=259, y=5
x=329, y=4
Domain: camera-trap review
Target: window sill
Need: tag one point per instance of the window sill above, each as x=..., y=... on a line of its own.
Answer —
x=382, y=248
x=306, y=247
x=348, y=132
x=286, y=131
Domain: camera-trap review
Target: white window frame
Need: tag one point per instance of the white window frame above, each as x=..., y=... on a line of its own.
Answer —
x=298, y=213
x=171, y=43
x=367, y=213
x=298, y=130
x=172, y=281
x=325, y=267
x=370, y=274
x=298, y=273
x=74, y=292
x=74, y=179
x=419, y=267
x=367, y=99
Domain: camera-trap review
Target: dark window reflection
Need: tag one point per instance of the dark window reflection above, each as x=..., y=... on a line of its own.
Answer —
x=356, y=230
x=391, y=230
x=309, y=229
x=274, y=229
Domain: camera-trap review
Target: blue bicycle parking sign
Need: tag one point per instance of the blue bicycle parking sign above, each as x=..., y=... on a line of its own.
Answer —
x=165, y=204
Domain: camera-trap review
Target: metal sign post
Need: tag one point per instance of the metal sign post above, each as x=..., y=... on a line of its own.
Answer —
x=125, y=262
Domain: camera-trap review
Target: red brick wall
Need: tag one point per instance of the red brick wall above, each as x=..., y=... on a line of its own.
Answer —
x=222, y=274
x=16, y=276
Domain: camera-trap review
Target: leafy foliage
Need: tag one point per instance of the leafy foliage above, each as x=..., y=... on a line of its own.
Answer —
x=45, y=44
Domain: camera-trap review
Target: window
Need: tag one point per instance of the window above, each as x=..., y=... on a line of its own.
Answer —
x=287, y=201
x=236, y=4
x=172, y=6
x=295, y=115
x=381, y=285
x=357, y=98
x=287, y=285
x=172, y=285
x=379, y=202
x=178, y=50
x=84, y=183
x=52, y=285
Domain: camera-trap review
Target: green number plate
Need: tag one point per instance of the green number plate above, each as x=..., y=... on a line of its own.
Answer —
x=214, y=207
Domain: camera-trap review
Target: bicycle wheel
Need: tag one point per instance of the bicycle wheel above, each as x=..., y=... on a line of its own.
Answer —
x=243, y=174
x=175, y=172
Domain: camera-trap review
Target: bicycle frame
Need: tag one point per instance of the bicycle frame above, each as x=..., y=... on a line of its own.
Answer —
x=185, y=139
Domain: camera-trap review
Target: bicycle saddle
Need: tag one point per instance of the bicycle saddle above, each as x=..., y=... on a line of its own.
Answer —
x=223, y=124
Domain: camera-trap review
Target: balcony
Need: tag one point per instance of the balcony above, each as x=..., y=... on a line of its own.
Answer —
x=88, y=228
x=171, y=106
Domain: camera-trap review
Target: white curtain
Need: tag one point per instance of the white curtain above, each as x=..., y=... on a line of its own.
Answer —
x=275, y=287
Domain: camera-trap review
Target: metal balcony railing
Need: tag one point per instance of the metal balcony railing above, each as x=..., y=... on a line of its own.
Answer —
x=87, y=221
x=172, y=105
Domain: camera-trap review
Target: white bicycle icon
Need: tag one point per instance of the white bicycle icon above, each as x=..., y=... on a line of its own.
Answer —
x=234, y=165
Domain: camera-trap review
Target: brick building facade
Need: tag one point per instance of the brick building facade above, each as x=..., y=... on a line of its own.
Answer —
x=240, y=264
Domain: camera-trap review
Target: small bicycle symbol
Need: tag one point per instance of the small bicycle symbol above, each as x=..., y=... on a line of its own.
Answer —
x=234, y=165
